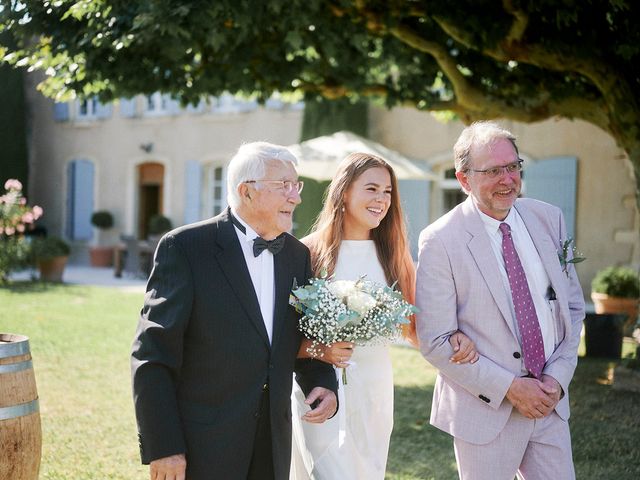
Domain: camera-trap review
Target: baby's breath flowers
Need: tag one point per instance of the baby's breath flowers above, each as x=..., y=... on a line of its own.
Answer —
x=362, y=312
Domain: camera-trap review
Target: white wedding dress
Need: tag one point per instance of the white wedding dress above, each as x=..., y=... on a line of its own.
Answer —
x=353, y=445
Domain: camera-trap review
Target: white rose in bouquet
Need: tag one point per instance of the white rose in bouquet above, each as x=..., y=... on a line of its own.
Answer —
x=341, y=288
x=360, y=302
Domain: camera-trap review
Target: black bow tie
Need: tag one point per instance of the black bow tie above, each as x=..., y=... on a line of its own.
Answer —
x=274, y=246
x=259, y=243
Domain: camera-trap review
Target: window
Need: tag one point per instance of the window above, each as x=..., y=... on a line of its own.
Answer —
x=91, y=108
x=227, y=103
x=218, y=190
x=157, y=104
x=88, y=108
x=452, y=194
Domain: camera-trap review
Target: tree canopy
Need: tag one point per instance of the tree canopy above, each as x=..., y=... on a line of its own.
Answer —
x=525, y=60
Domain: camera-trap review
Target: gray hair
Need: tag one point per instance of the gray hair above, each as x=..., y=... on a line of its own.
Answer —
x=478, y=134
x=250, y=163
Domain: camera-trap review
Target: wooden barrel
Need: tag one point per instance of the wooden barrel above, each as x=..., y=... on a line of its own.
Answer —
x=20, y=432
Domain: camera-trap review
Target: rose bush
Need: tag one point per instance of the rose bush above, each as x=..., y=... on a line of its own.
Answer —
x=16, y=217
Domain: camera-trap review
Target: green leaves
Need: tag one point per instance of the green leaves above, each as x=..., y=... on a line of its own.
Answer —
x=522, y=60
x=569, y=255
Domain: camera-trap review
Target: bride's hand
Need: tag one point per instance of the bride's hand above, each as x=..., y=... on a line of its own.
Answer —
x=338, y=353
x=464, y=348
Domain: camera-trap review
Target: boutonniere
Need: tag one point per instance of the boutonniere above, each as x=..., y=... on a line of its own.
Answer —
x=568, y=246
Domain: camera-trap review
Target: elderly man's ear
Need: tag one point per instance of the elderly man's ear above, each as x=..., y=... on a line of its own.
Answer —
x=243, y=190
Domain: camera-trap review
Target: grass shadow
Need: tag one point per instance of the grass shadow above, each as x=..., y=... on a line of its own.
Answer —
x=604, y=424
x=418, y=450
x=28, y=286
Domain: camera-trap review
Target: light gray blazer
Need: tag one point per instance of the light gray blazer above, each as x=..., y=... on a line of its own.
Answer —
x=459, y=287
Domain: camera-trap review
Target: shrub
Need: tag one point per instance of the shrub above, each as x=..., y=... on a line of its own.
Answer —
x=617, y=282
x=16, y=217
x=159, y=224
x=45, y=248
x=102, y=219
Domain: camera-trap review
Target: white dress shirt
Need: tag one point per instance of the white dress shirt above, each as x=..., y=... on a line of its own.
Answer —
x=261, y=271
x=537, y=277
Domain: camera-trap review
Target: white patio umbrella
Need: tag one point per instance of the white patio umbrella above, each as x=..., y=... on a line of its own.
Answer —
x=319, y=157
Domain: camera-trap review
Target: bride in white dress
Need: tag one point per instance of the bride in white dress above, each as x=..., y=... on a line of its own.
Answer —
x=360, y=231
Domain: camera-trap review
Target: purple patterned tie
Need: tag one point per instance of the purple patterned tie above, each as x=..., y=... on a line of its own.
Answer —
x=532, y=345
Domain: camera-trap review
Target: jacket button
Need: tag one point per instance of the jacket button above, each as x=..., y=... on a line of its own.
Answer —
x=516, y=355
x=265, y=387
x=256, y=415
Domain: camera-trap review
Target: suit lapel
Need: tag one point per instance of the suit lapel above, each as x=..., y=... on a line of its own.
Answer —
x=547, y=250
x=283, y=284
x=234, y=267
x=480, y=247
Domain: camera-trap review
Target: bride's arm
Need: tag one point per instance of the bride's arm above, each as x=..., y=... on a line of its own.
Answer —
x=464, y=348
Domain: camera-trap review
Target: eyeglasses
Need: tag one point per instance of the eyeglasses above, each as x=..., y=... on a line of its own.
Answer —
x=495, y=172
x=287, y=186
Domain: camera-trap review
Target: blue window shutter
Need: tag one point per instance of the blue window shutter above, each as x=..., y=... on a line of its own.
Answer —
x=198, y=108
x=128, y=107
x=80, y=175
x=193, y=181
x=69, y=224
x=103, y=110
x=274, y=103
x=414, y=195
x=247, y=105
x=554, y=181
x=173, y=106
x=61, y=112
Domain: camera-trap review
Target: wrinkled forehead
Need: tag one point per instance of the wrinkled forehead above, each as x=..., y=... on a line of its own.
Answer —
x=277, y=169
x=498, y=151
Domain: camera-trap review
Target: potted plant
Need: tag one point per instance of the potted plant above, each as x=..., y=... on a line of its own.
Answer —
x=158, y=225
x=616, y=290
x=626, y=375
x=101, y=256
x=50, y=255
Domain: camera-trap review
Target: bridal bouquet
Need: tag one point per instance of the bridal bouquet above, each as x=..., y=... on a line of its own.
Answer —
x=362, y=312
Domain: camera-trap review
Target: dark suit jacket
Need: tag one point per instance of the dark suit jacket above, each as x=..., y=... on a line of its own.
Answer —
x=201, y=354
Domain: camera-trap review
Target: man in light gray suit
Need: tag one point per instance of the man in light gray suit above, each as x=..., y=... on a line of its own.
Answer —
x=490, y=268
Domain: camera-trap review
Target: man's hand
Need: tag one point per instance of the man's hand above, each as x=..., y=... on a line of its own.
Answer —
x=532, y=398
x=168, y=468
x=328, y=403
x=552, y=387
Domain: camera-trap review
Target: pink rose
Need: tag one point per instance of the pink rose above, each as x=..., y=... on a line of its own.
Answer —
x=27, y=217
x=9, y=230
x=20, y=227
x=37, y=212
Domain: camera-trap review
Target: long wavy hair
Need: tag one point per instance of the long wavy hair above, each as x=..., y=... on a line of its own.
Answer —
x=390, y=237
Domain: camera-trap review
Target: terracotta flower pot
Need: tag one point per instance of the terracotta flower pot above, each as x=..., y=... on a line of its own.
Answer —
x=101, y=256
x=604, y=303
x=51, y=270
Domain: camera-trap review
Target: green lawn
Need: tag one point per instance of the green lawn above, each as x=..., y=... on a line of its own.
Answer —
x=80, y=340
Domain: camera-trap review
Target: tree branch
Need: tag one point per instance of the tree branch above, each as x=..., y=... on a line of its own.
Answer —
x=513, y=48
x=463, y=89
x=520, y=23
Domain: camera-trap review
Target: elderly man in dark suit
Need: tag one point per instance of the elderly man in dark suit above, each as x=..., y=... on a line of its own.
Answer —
x=215, y=349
